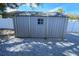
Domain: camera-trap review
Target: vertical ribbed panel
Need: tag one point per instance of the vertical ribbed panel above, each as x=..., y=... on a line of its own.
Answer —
x=56, y=26
x=22, y=26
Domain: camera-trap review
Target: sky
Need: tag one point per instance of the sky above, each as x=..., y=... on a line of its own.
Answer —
x=67, y=7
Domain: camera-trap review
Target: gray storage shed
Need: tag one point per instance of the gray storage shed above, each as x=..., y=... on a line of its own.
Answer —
x=39, y=24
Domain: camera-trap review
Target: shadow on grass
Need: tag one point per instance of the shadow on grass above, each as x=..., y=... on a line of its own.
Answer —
x=31, y=47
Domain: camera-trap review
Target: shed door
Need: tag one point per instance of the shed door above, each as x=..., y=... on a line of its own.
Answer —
x=55, y=27
x=37, y=26
x=22, y=26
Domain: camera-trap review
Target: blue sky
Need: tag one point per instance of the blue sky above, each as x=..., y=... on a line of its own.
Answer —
x=68, y=7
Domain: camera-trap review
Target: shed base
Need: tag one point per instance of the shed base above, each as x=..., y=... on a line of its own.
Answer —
x=45, y=38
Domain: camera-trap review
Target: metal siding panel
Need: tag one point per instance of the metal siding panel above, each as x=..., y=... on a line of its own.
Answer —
x=65, y=25
x=17, y=27
x=22, y=26
x=55, y=26
x=61, y=27
x=50, y=27
x=14, y=22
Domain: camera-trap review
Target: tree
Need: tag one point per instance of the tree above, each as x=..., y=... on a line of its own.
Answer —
x=3, y=6
x=73, y=16
x=60, y=10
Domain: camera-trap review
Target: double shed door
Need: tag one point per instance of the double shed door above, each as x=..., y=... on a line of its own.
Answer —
x=51, y=27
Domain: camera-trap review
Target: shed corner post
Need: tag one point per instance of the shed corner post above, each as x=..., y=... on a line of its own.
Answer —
x=65, y=28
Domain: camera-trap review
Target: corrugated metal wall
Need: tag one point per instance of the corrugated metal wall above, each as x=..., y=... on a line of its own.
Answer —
x=29, y=27
x=55, y=26
x=21, y=25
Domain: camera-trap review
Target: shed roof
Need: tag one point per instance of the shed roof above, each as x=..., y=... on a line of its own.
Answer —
x=34, y=13
x=40, y=14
